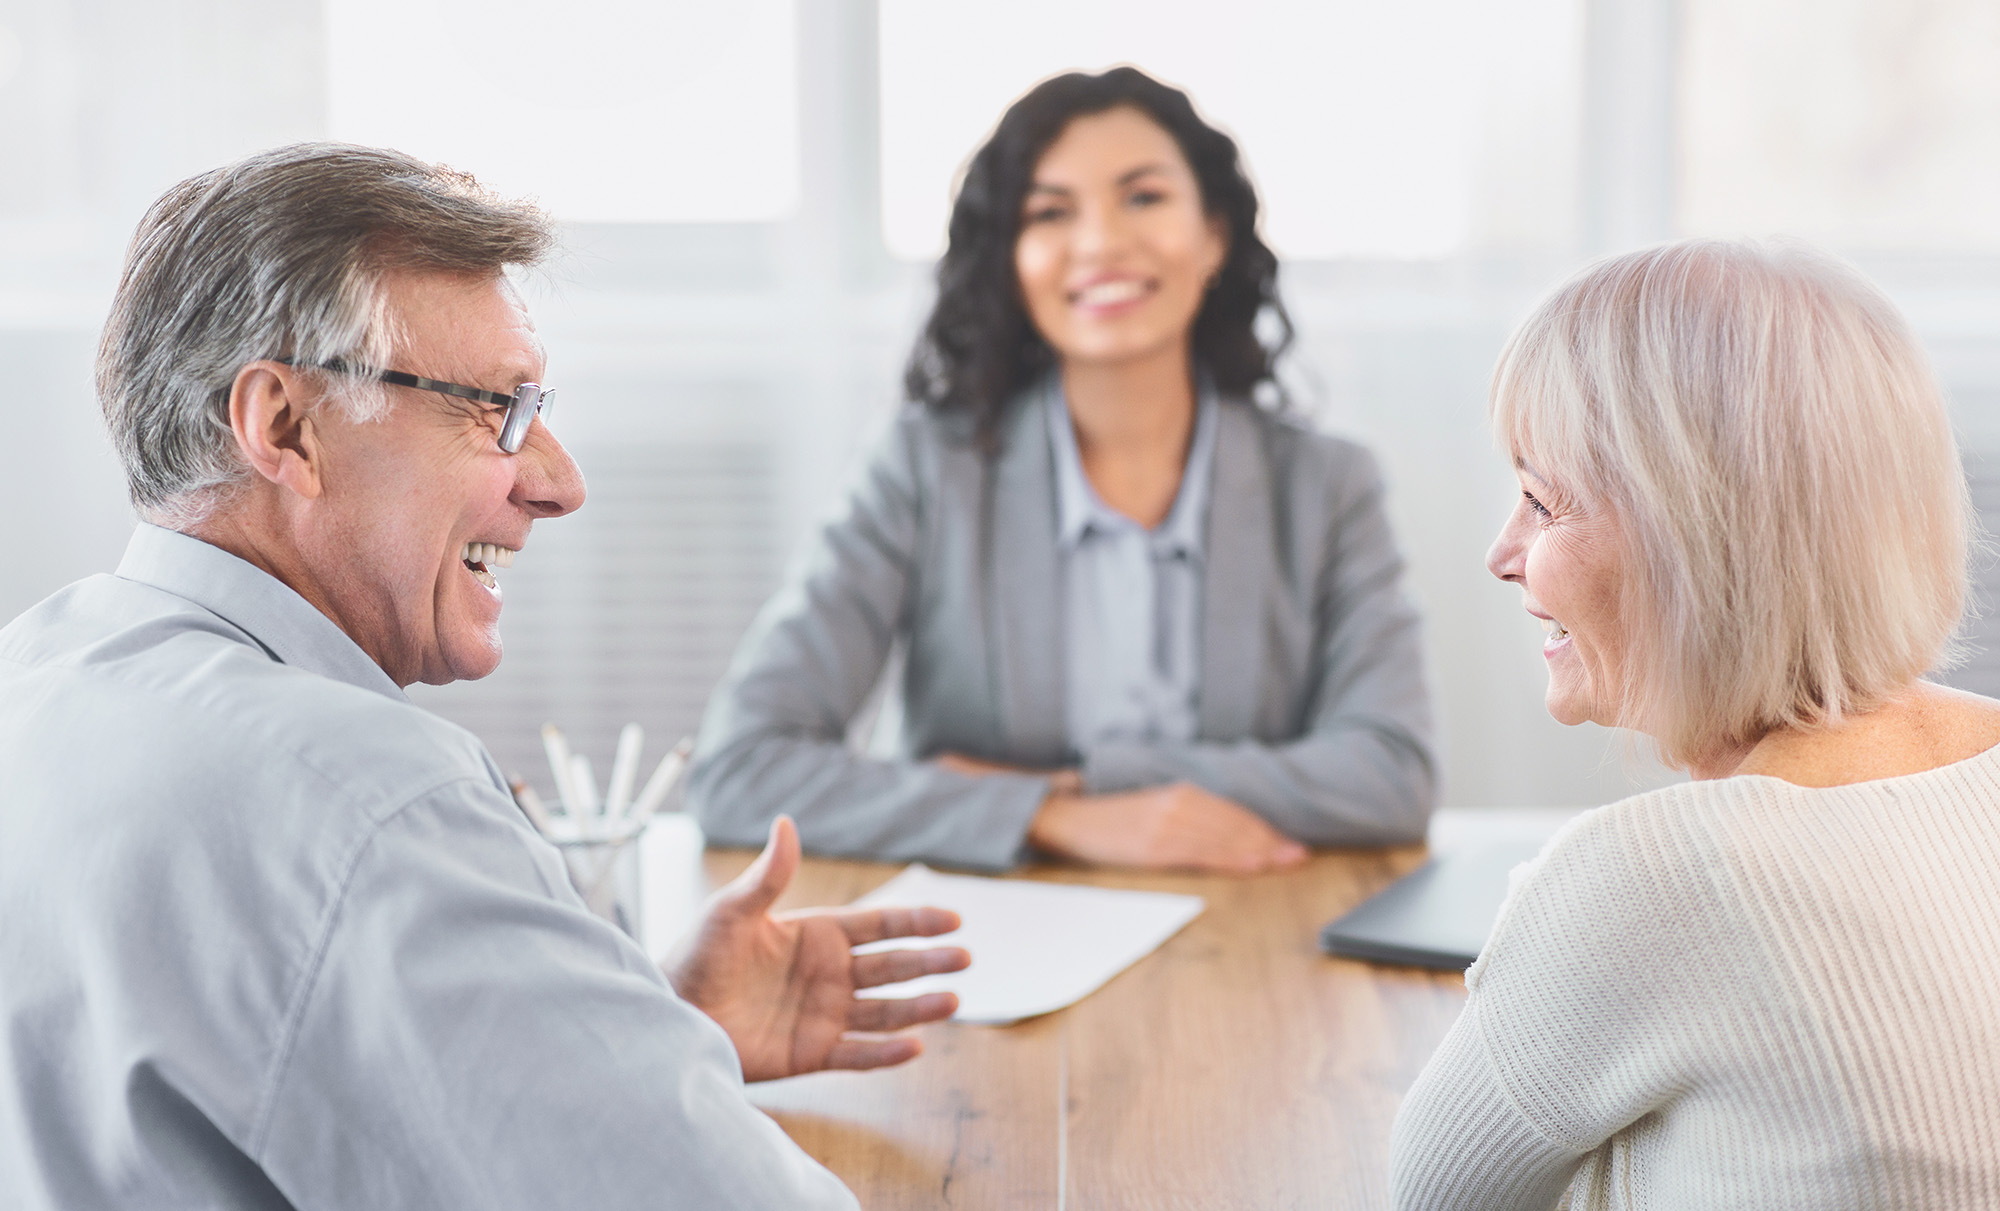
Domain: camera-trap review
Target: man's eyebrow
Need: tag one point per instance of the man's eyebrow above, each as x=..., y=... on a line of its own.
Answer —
x=514, y=372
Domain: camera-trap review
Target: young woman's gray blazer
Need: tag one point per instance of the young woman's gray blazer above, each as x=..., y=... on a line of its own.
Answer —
x=1312, y=708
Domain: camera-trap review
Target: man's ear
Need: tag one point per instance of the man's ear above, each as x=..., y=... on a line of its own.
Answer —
x=274, y=429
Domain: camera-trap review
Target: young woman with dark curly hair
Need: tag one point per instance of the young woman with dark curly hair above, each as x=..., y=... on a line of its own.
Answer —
x=1147, y=617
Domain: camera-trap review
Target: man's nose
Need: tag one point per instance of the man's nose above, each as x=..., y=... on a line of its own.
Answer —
x=548, y=482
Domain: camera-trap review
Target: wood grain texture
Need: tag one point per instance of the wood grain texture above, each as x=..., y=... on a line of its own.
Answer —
x=1237, y=1066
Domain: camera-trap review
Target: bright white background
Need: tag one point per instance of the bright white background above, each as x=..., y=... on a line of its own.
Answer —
x=554, y=102
x=1371, y=150
x=751, y=191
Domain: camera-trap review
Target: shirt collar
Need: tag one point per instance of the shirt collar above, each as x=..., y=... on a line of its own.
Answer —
x=257, y=603
x=1079, y=510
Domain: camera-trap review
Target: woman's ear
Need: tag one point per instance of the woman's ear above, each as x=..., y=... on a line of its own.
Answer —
x=274, y=429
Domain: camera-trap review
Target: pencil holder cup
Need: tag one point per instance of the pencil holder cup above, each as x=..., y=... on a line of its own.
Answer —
x=598, y=832
x=605, y=869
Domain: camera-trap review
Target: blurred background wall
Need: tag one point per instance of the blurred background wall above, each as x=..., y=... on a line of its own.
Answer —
x=752, y=191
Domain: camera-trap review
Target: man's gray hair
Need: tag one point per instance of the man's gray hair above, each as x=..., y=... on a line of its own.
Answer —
x=282, y=254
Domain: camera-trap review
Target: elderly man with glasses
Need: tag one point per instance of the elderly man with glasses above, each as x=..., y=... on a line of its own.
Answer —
x=270, y=936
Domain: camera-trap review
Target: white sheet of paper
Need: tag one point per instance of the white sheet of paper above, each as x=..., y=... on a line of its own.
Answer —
x=1036, y=947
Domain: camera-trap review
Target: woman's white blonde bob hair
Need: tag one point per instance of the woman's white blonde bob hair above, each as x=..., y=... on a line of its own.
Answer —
x=1762, y=425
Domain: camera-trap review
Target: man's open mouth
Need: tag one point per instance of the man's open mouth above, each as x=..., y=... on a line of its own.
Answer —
x=481, y=557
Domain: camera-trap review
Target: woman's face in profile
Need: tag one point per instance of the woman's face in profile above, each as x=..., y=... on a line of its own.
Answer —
x=1567, y=558
x=1116, y=251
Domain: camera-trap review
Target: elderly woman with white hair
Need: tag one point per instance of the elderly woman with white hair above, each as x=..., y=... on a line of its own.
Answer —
x=1743, y=521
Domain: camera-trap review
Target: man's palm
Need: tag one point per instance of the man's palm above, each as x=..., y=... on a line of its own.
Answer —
x=783, y=986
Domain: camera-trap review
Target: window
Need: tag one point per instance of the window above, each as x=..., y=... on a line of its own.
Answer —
x=1866, y=126
x=1373, y=130
x=607, y=110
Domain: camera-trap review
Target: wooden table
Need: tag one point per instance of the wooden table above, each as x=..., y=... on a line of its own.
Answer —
x=1236, y=1066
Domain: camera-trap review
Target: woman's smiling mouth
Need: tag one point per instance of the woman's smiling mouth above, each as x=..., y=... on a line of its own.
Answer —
x=1557, y=635
x=1110, y=293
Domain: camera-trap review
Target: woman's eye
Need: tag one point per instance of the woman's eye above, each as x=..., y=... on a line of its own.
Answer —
x=1147, y=197
x=1535, y=506
x=1044, y=214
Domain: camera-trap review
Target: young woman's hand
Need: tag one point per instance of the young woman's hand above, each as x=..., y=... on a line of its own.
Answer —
x=1062, y=781
x=1178, y=827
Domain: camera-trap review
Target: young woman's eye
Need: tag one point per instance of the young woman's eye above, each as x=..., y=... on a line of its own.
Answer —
x=1042, y=214
x=1146, y=197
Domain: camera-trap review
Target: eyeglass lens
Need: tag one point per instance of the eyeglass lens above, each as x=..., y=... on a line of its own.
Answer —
x=528, y=400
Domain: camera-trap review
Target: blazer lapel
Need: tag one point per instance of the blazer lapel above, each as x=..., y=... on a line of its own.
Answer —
x=1238, y=569
x=1024, y=589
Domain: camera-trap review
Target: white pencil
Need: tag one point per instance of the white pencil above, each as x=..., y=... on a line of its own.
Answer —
x=624, y=770
x=664, y=776
x=557, y=747
x=583, y=783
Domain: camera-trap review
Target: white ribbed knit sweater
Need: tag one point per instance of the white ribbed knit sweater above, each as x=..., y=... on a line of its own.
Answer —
x=1737, y=993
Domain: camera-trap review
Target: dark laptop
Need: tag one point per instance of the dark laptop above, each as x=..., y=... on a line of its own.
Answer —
x=1438, y=915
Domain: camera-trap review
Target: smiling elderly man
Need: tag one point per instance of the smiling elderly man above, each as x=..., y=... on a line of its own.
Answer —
x=270, y=936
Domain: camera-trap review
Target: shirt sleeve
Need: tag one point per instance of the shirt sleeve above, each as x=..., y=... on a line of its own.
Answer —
x=1615, y=981
x=1461, y=1144
x=775, y=736
x=1608, y=992
x=1361, y=770
x=470, y=1036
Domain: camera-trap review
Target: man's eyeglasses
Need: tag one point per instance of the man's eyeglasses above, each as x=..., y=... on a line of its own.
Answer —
x=520, y=408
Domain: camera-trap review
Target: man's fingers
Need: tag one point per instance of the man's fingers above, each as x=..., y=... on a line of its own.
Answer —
x=763, y=881
x=881, y=1016
x=895, y=966
x=873, y=1053
x=875, y=924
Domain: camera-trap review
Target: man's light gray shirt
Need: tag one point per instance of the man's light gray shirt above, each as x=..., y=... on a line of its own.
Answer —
x=1131, y=596
x=272, y=937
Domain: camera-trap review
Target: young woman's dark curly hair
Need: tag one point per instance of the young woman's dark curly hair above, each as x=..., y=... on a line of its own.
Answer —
x=979, y=348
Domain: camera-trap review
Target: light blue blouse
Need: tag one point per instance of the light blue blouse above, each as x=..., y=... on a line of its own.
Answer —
x=1131, y=597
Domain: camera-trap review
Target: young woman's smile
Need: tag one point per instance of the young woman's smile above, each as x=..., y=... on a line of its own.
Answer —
x=1116, y=250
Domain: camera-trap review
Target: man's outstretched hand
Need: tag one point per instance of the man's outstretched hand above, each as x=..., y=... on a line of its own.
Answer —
x=783, y=986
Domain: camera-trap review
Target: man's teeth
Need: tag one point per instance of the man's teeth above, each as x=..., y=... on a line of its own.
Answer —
x=1106, y=293
x=482, y=557
x=1555, y=629
x=491, y=554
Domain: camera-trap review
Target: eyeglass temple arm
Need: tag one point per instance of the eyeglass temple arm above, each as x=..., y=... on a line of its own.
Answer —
x=399, y=379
